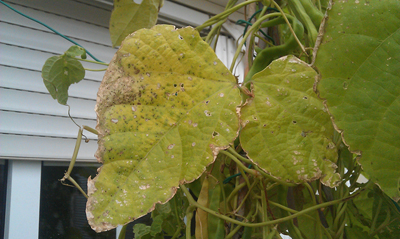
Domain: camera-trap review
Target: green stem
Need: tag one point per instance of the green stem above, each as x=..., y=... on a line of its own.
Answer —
x=312, y=194
x=122, y=233
x=338, y=216
x=87, y=69
x=246, y=160
x=245, y=197
x=261, y=224
x=77, y=186
x=237, y=228
x=264, y=212
x=75, y=154
x=246, y=179
x=189, y=214
x=301, y=14
x=235, y=191
x=95, y=62
x=223, y=15
x=177, y=232
x=290, y=27
x=339, y=232
x=90, y=129
x=249, y=31
x=378, y=210
x=240, y=164
x=384, y=224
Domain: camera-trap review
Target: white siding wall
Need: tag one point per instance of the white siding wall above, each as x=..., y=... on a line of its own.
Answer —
x=33, y=126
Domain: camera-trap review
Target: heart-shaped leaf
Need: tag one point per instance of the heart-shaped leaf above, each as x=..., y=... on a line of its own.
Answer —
x=129, y=16
x=165, y=107
x=58, y=73
x=286, y=130
x=359, y=62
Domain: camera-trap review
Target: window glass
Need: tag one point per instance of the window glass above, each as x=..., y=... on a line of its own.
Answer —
x=3, y=190
x=62, y=208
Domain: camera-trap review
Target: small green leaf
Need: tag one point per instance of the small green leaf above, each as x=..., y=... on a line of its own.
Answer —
x=129, y=16
x=74, y=51
x=165, y=107
x=359, y=63
x=58, y=73
x=156, y=226
x=286, y=130
x=142, y=231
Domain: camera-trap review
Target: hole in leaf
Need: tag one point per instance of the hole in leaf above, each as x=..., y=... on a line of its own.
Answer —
x=345, y=85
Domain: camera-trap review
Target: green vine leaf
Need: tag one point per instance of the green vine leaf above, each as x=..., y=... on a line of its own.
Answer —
x=59, y=72
x=286, y=130
x=74, y=51
x=359, y=62
x=165, y=107
x=129, y=16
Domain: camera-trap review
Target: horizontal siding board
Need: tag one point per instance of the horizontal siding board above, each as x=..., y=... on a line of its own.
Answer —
x=42, y=125
x=211, y=8
x=66, y=26
x=31, y=102
x=15, y=78
x=72, y=9
x=45, y=148
x=183, y=14
x=34, y=60
x=18, y=35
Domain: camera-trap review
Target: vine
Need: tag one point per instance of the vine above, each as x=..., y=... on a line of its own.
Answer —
x=282, y=153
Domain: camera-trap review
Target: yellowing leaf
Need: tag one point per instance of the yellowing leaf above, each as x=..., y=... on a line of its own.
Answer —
x=286, y=130
x=129, y=16
x=165, y=108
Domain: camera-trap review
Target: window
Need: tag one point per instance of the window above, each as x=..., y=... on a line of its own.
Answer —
x=62, y=208
x=3, y=191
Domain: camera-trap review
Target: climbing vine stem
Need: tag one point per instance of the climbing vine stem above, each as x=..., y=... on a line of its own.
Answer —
x=261, y=224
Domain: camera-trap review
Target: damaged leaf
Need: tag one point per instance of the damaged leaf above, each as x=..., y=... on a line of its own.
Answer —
x=165, y=108
x=286, y=129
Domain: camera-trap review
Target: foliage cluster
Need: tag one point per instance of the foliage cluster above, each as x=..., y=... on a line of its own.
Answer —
x=280, y=153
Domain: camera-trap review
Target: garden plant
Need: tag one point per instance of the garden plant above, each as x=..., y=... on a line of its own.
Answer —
x=280, y=153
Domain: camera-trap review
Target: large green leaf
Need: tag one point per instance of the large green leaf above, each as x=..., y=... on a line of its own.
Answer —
x=286, y=129
x=129, y=16
x=359, y=62
x=165, y=107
